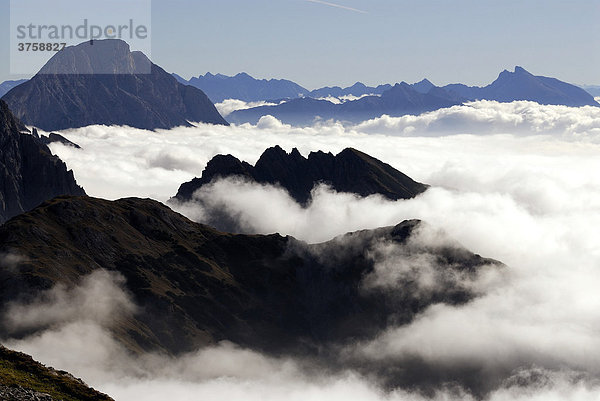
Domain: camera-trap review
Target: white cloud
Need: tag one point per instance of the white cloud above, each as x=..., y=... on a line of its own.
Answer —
x=98, y=299
x=228, y=106
x=344, y=98
x=490, y=117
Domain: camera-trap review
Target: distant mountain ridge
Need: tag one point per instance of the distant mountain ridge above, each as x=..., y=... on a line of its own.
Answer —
x=399, y=100
x=349, y=171
x=29, y=173
x=423, y=96
x=106, y=83
x=244, y=87
x=593, y=90
x=8, y=85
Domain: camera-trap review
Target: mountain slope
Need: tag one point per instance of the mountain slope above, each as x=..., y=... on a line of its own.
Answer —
x=103, y=83
x=244, y=87
x=8, y=85
x=349, y=171
x=522, y=85
x=29, y=173
x=195, y=285
x=22, y=378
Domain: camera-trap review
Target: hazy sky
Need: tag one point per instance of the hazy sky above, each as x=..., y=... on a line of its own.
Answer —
x=317, y=43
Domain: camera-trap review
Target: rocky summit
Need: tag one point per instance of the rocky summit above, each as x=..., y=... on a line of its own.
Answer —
x=349, y=171
x=103, y=82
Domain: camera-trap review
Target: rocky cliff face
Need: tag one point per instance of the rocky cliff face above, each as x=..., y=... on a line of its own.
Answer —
x=106, y=83
x=196, y=286
x=29, y=173
x=349, y=171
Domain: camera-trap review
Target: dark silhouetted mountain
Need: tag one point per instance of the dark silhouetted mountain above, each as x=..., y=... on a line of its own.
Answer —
x=29, y=173
x=399, y=100
x=8, y=85
x=196, y=286
x=244, y=87
x=358, y=89
x=522, y=85
x=23, y=379
x=106, y=83
x=350, y=171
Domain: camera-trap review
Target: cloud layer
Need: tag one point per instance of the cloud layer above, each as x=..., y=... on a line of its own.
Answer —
x=517, y=182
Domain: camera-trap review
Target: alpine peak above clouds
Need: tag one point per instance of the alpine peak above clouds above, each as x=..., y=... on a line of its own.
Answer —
x=523, y=85
x=29, y=173
x=105, y=83
x=349, y=171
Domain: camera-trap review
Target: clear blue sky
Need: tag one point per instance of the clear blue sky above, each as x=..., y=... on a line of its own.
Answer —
x=380, y=41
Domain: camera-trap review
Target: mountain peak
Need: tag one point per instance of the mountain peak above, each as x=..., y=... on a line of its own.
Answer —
x=108, y=56
x=521, y=70
x=103, y=82
x=350, y=171
x=423, y=86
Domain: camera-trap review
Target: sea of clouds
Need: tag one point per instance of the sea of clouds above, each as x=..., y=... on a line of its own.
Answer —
x=517, y=182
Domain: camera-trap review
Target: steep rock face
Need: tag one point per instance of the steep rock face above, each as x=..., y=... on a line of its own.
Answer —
x=349, y=171
x=29, y=173
x=106, y=83
x=23, y=379
x=195, y=285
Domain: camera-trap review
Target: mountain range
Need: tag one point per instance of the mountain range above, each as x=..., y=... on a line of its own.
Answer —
x=399, y=100
x=29, y=173
x=402, y=99
x=244, y=87
x=349, y=171
x=103, y=82
x=55, y=100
